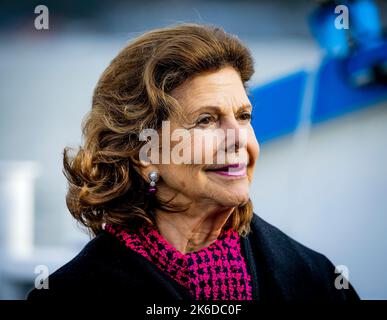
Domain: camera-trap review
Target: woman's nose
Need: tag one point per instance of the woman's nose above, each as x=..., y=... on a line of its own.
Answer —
x=235, y=135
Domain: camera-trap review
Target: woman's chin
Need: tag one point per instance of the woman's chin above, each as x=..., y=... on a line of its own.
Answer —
x=229, y=192
x=233, y=197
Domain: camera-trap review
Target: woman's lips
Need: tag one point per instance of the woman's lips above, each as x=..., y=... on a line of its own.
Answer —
x=231, y=170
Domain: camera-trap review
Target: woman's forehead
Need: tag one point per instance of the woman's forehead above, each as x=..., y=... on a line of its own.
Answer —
x=222, y=88
x=217, y=80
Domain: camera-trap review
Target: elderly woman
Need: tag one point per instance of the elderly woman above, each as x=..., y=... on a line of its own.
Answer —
x=166, y=228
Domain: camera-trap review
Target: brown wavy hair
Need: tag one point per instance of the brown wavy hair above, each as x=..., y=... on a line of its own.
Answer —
x=132, y=94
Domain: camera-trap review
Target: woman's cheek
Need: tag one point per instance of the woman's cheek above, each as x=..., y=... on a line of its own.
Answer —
x=204, y=146
x=252, y=145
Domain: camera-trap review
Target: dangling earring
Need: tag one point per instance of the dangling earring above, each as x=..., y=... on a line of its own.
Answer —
x=153, y=177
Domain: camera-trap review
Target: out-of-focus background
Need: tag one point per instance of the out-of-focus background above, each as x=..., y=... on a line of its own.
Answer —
x=320, y=115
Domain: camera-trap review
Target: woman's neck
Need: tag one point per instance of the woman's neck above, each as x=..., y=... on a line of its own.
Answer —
x=194, y=229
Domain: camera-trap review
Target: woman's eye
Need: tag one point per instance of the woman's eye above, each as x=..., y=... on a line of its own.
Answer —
x=205, y=119
x=245, y=116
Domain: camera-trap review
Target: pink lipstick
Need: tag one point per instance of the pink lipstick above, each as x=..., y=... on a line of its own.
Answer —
x=230, y=170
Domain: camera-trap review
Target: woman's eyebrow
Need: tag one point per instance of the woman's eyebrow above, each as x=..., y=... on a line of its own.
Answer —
x=220, y=109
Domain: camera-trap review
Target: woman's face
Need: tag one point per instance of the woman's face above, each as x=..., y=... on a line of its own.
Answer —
x=218, y=112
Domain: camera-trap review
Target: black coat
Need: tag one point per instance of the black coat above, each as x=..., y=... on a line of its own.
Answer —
x=281, y=269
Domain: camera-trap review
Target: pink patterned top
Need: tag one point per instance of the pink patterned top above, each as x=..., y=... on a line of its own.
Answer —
x=216, y=272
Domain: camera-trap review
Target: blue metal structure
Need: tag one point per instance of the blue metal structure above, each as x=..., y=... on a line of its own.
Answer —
x=352, y=74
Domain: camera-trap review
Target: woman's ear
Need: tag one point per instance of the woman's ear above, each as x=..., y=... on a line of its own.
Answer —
x=143, y=168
